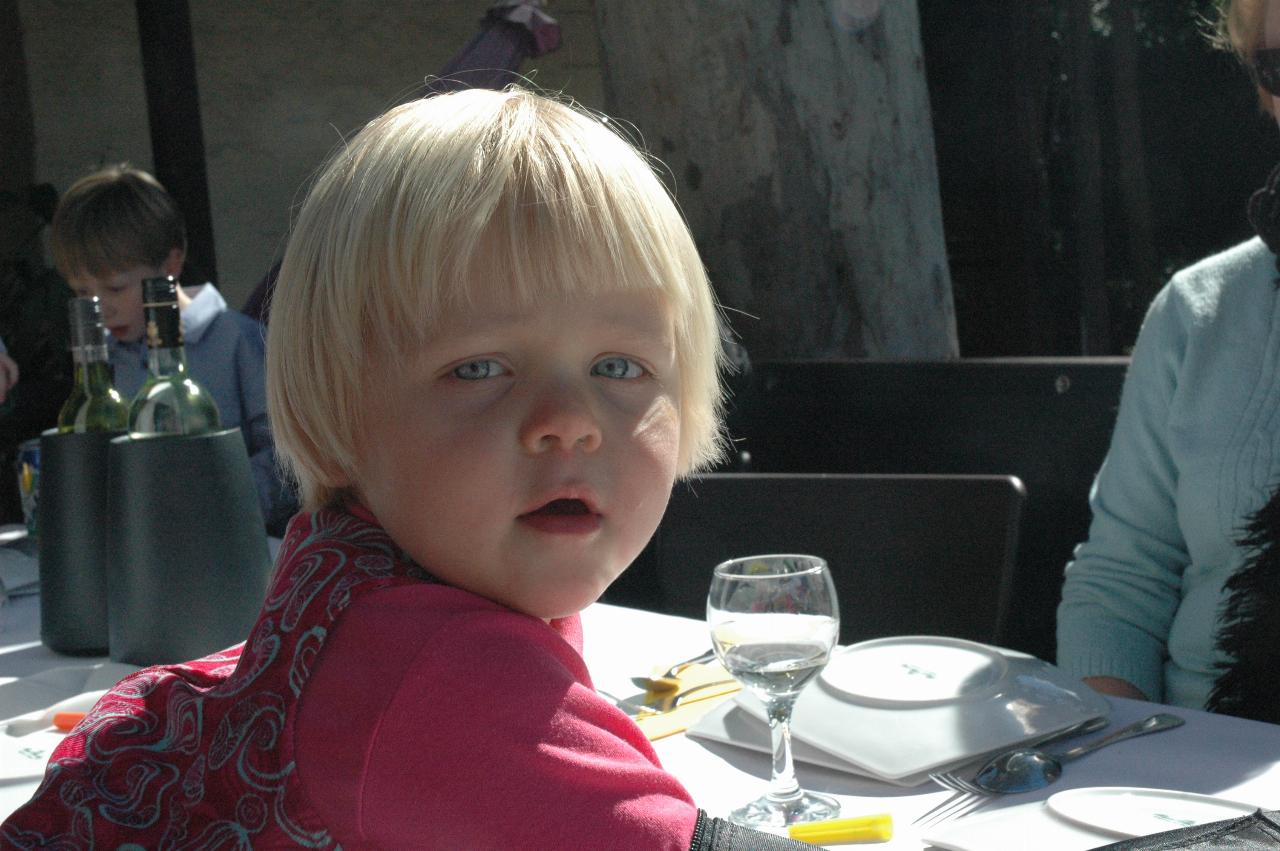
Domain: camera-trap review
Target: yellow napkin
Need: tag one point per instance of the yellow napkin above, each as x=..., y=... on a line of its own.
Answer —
x=691, y=709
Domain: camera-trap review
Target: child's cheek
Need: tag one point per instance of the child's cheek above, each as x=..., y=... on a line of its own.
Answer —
x=658, y=432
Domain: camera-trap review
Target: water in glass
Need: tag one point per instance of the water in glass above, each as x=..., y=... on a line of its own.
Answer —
x=774, y=621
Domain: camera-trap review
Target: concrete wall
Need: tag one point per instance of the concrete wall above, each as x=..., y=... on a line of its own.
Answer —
x=281, y=83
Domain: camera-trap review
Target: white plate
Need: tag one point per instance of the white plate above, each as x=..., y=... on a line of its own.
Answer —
x=1125, y=811
x=915, y=723
x=915, y=671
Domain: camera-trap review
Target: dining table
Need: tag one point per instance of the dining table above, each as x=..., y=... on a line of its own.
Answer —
x=1211, y=754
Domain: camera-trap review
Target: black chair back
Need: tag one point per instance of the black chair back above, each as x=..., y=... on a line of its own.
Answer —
x=1047, y=421
x=910, y=554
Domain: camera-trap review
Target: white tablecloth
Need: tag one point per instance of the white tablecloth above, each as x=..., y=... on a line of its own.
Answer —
x=1212, y=754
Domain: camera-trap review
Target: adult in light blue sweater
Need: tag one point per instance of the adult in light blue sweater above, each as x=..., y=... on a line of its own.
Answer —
x=1196, y=450
x=1195, y=453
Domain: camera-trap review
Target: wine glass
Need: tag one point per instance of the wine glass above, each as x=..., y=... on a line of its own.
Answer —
x=774, y=620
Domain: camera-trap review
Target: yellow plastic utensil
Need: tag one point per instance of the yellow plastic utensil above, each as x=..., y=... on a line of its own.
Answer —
x=845, y=831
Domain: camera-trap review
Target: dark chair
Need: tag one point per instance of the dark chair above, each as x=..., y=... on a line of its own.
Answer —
x=1047, y=421
x=929, y=555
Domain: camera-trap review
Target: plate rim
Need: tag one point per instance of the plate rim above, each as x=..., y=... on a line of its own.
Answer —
x=1152, y=791
x=986, y=692
x=1089, y=705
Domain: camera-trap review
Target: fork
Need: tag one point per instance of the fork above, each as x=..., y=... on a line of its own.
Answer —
x=704, y=656
x=968, y=797
x=667, y=680
x=636, y=708
x=962, y=801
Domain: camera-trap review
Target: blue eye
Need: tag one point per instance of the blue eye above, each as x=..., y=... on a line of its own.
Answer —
x=618, y=367
x=477, y=370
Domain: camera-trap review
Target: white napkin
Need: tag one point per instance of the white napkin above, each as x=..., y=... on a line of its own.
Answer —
x=28, y=706
x=34, y=722
x=19, y=572
x=22, y=764
x=38, y=693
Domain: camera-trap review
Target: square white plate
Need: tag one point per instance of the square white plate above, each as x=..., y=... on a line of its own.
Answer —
x=898, y=708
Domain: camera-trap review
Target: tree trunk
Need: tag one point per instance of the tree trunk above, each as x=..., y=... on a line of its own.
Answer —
x=799, y=138
x=1087, y=215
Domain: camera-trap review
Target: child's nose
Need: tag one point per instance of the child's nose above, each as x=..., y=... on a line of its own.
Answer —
x=560, y=419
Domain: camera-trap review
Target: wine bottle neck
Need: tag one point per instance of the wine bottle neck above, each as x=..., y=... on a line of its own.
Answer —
x=92, y=370
x=167, y=360
x=165, y=355
x=89, y=354
x=94, y=377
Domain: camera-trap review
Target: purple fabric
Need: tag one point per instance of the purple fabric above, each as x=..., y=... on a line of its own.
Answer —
x=510, y=33
x=258, y=305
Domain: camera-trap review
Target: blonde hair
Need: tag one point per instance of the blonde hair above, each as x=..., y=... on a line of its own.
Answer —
x=1240, y=27
x=114, y=219
x=508, y=188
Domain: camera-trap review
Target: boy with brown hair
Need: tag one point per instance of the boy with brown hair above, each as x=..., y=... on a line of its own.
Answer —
x=115, y=227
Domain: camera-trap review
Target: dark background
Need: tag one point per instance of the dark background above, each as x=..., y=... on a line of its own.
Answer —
x=1025, y=240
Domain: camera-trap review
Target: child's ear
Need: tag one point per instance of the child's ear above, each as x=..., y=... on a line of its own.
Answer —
x=172, y=264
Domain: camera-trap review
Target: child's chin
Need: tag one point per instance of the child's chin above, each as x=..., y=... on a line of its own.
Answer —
x=562, y=607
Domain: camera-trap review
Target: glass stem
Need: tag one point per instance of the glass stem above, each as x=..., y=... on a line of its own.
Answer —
x=783, y=787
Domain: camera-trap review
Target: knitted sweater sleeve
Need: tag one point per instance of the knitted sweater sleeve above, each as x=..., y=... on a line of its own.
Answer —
x=1122, y=588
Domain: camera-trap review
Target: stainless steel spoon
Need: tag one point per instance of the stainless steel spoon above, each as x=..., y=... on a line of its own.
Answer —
x=1028, y=769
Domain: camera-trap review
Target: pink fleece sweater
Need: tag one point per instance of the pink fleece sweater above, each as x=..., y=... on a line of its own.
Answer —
x=370, y=707
x=434, y=712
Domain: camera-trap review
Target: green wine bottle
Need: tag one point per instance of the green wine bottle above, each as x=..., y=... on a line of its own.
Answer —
x=94, y=404
x=170, y=401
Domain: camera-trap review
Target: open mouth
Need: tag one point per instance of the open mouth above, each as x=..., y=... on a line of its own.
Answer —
x=563, y=507
x=563, y=517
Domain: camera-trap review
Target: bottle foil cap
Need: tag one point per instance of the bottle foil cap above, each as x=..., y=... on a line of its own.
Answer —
x=85, y=313
x=159, y=291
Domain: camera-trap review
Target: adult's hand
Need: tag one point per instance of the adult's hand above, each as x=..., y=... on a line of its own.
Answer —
x=8, y=375
x=1115, y=687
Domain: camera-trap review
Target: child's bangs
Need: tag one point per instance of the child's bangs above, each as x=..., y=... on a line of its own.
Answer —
x=553, y=206
x=101, y=246
x=539, y=251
